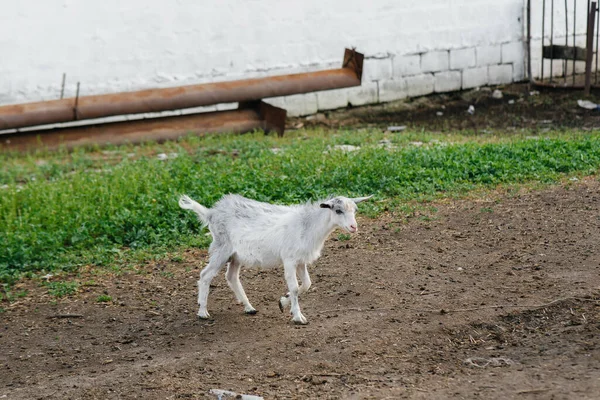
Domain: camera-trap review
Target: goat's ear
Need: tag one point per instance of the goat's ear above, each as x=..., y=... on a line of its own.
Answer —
x=325, y=205
x=361, y=199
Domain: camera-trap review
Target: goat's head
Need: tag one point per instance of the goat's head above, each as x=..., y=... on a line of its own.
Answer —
x=343, y=211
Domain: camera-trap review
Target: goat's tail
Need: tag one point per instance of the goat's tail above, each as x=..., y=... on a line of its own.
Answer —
x=188, y=204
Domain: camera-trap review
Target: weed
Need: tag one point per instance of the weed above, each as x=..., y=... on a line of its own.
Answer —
x=62, y=289
x=343, y=237
x=104, y=298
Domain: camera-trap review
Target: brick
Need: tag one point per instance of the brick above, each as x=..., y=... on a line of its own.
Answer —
x=419, y=85
x=519, y=73
x=462, y=58
x=367, y=93
x=500, y=74
x=377, y=69
x=447, y=81
x=227, y=106
x=301, y=104
x=276, y=101
x=332, y=99
x=434, y=61
x=391, y=90
x=513, y=53
x=488, y=55
x=474, y=77
x=406, y=66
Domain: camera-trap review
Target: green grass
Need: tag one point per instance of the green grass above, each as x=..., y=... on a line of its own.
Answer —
x=62, y=289
x=104, y=298
x=342, y=237
x=119, y=206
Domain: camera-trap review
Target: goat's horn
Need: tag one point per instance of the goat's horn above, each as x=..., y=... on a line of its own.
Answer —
x=360, y=199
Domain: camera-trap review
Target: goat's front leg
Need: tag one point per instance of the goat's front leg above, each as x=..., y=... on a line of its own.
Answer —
x=302, y=270
x=233, y=279
x=289, y=268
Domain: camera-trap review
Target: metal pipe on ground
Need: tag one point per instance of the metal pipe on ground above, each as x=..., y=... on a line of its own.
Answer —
x=249, y=117
x=157, y=100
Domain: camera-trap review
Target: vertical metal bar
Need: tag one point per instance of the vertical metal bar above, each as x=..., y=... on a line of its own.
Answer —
x=551, y=40
x=574, y=32
x=62, y=86
x=597, y=33
x=543, y=35
x=589, y=47
x=566, y=41
x=76, y=103
x=529, y=76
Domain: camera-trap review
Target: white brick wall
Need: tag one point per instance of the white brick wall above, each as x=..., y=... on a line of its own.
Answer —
x=367, y=93
x=462, y=58
x=377, y=69
x=500, y=74
x=419, y=85
x=447, y=81
x=407, y=65
x=474, y=77
x=332, y=99
x=434, y=61
x=392, y=90
x=488, y=55
x=411, y=48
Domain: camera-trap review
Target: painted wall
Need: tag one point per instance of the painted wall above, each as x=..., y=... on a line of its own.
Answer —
x=412, y=48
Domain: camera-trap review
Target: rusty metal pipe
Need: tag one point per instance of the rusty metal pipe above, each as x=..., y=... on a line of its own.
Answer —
x=249, y=117
x=156, y=100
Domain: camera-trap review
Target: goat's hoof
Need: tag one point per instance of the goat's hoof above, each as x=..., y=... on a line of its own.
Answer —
x=203, y=316
x=300, y=320
x=251, y=312
x=280, y=305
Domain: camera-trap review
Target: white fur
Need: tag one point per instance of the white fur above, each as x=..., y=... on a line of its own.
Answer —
x=254, y=234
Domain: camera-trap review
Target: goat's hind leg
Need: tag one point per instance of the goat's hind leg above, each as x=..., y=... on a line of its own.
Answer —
x=233, y=279
x=218, y=259
x=284, y=301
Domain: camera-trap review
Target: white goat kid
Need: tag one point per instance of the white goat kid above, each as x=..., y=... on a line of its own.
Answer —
x=254, y=234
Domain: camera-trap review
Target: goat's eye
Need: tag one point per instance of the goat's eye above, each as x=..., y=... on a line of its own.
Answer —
x=339, y=212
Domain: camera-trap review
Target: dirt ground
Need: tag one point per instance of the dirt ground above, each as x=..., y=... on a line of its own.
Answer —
x=521, y=107
x=495, y=297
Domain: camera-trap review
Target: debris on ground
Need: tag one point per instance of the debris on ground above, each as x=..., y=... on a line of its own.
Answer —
x=471, y=109
x=497, y=94
x=397, y=128
x=164, y=156
x=386, y=143
x=226, y=394
x=480, y=362
x=342, y=147
x=588, y=105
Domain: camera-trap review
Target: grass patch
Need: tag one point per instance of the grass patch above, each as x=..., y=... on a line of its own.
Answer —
x=115, y=207
x=342, y=237
x=104, y=298
x=62, y=289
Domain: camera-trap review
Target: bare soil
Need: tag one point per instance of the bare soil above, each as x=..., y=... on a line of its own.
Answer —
x=495, y=298
x=521, y=107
